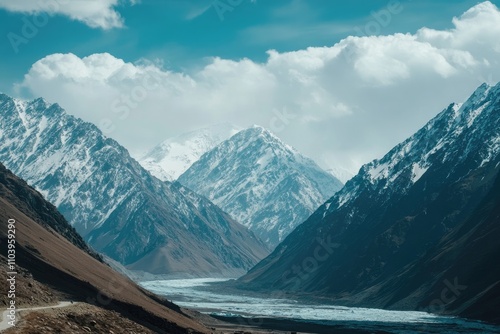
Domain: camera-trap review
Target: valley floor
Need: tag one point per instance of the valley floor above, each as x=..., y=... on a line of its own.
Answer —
x=254, y=313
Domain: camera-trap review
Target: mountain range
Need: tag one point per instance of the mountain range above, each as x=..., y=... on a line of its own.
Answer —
x=115, y=204
x=408, y=225
x=262, y=182
x=416, y=229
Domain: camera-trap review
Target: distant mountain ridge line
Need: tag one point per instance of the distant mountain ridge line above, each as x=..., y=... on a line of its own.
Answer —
x=169, y=159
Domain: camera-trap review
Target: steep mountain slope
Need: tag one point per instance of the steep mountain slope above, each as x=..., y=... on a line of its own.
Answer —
x=63, y=261
x=261, y=182
x=169, y=159
x=394, y=210
x=32, y=204
x=117, y=206
x=467, y=257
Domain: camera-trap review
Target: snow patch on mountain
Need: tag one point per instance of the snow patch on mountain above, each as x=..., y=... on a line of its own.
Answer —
x=417, y=172
x=169, y=159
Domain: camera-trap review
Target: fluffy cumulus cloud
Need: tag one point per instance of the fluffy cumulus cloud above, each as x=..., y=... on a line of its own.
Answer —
x=342, y=105
x=94, y=13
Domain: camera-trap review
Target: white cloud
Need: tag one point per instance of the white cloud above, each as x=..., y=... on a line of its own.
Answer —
x=342, y=105
x=94, y=13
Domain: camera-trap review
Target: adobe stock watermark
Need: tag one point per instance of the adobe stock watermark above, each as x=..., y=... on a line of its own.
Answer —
x=380, y=19
x=488, y=80
x=223, y=6
x=449, y=294
x=31, y=26
x=280, y=120
x=102, y=298
x=297, y=274
x=123, y=105
x=11, y=272
x=451, y=291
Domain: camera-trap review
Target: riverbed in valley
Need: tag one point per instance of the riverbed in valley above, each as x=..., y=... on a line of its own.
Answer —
x=260, y=311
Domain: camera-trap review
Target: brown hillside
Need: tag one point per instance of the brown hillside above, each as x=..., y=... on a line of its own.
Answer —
x=75, y=271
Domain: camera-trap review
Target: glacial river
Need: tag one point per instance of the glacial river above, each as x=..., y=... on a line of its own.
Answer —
x=198, y=294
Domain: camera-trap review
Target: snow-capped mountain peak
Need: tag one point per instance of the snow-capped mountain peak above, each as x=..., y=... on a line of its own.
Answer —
x=262, y=182
x=169, y=159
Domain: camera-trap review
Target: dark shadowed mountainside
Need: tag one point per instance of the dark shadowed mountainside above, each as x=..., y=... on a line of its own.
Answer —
x=461, y=274
x=395, y=211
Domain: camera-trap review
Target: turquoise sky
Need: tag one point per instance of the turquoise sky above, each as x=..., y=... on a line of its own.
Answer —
x=181, y=34
x=349, y=102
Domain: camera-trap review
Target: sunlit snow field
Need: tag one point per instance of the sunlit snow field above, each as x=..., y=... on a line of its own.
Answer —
x=196, y=294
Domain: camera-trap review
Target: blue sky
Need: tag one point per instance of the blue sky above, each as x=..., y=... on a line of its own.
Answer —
x=348, y=99
x=170, y=32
